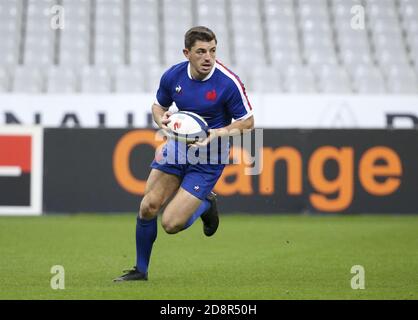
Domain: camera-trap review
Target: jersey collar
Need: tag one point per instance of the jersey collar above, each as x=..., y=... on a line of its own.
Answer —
x=189, y=73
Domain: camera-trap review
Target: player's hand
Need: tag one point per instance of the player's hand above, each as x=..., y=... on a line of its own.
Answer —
x=202, y=143
x=165, y=120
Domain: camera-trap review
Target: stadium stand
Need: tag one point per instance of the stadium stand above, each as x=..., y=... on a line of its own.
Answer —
x=61, y=79
x=292, y=46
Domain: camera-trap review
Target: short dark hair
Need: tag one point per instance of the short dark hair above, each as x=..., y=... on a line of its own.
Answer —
x=199, y=33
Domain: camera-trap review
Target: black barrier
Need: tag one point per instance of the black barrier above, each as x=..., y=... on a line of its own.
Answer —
x=357, y=171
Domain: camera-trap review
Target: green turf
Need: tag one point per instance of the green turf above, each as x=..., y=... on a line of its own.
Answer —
x=250, y=257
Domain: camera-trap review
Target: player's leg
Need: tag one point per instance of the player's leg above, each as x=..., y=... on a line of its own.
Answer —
x=193, y=200
x=200, y=180
x=159, y=188
x=179, y=210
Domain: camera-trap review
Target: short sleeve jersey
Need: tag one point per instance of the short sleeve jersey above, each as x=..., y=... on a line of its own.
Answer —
x=218, y=98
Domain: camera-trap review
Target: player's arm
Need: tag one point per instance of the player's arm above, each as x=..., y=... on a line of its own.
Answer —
x=160, y=116
x=163, y=100
x=239, y=108
x=234, y=129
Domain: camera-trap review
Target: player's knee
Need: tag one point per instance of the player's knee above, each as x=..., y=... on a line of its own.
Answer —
x=149, y=208
x=171, y=226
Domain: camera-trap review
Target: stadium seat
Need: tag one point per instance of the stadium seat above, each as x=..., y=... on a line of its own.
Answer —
x=299, y=78
x=403, y=85
x=144, y=45
x=245, y=55
x=177, y=19
x=413, y=54
x=282, y=58
x=144, y=34
x=4, y=80
x=75, y=37
x=61, y=80
x=153, y=76
x=390, y=56
x=245, y=15
x=129, y=80
x=39, y=37
x=401, y=79
x=315, y=35
x=333, y=79
x=10, y=35
x=9, y=51
x=144, y=57
x=109, y=48
x=70, y=45
x=95, y=80
x=39, y=50
x=173, y=51
x=213, y=15
x=265, y=80
x=368, y=79
x=27, y=80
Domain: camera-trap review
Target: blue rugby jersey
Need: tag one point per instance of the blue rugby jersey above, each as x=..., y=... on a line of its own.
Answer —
x=218, y=98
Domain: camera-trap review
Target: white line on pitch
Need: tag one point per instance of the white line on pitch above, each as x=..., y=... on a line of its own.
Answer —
x=10, y=171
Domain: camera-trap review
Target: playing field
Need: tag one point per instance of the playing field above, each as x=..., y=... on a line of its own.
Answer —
x=250, y=257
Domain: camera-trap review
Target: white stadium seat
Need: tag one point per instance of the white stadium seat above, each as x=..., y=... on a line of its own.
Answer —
x=129, y=80
x=276, y=46
x=95, y=80
x=299, y=78
x=61, y=80
x=27, y=80
x=265, y=80
x=368, y=79
x=4, y=80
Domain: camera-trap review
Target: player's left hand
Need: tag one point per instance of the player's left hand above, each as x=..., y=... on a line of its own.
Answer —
x=202, y=143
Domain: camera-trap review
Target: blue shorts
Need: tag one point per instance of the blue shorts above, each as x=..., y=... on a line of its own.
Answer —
x=197, y=179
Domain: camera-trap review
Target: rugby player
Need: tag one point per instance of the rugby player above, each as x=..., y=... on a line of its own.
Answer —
x=182, y=190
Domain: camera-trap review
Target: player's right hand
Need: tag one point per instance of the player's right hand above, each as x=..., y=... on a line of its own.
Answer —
x=165, y=119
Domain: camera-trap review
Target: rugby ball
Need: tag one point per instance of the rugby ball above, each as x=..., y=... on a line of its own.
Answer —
x=187, y=127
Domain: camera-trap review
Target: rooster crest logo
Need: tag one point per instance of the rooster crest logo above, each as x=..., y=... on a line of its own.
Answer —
x=211, y=95
x=178, y=88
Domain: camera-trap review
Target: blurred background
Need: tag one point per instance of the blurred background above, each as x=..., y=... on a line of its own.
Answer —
x=277, y=46
x=306, y=64
x=333, y=86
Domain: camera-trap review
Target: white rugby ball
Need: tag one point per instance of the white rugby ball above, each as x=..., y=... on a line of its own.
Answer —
x=187, y=127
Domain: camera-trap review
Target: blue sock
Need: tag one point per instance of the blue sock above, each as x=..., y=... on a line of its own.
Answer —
x=146, y=233
x=205, y=205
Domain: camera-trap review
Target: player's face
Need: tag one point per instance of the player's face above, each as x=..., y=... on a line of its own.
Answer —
x=202, y=58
